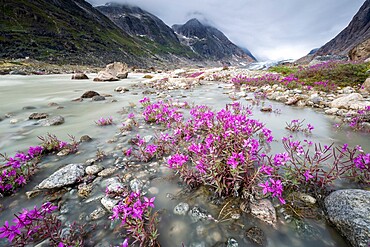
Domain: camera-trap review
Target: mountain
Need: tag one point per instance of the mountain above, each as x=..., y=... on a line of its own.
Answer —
x=147, y=27
x=355, y=34
x=68, y=31
x=210, y=43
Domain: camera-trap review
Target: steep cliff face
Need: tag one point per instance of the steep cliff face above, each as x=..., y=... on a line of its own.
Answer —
x=209, y=42
x=357, y=32
x=69, y=31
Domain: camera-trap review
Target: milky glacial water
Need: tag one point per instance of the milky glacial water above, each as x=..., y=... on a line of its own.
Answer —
x=18, y=92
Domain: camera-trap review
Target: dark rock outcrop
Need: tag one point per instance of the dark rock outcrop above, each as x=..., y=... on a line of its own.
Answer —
x=209, y=42
x=79, y=76
x=89, y=94
x=354, y=34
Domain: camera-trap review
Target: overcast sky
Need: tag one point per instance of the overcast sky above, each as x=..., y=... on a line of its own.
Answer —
x=270, y=29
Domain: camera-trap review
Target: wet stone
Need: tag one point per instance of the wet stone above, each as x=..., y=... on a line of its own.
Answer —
x=89, y=94
x=28, y=108
x=109, y=203
x=98, y=98
x=263, y=210
x=56, y=120
x=256, y=236
x=113, y=185
x=93, y=169
x=107, y=172
x=136, y=185
x=67, y=175
x=84, y=190
x=181, y=209
x=231, y=242
x=198, y=214
x=85, y=138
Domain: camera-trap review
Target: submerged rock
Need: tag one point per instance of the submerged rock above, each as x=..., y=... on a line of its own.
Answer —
x=349, y=211
x=98, y=98
x=198, y=214
x=181, y=209
x=67, y=175
x=256, y=236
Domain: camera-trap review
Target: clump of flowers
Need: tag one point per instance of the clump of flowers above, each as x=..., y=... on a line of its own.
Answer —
x=297, y=125
x=104, y=121
x=135, y=214
x=314, y=167
x=32, y=226
x=16, y=171
x=357, y=122
x=217, y=149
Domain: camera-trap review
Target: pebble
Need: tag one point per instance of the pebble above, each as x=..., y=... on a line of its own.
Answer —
x=109, y=203
x=107, y=172
x=93, y=169
x=136, y=185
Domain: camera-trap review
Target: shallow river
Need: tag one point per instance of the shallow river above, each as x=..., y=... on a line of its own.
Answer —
x=22, y=95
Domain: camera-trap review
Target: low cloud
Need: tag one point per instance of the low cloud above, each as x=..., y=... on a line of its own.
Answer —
x=270, y=29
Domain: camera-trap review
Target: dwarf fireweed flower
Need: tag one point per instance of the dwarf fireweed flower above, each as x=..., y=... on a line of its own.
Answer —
x=307, y=175
x=281, y=159
x=177, y=160
x=134, y=212
x=104, y=121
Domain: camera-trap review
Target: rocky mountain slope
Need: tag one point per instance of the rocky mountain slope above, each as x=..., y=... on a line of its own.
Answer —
x=74, y=32
x=69, y=31
x=209, y=42
x=147, y=27
x=356, y=33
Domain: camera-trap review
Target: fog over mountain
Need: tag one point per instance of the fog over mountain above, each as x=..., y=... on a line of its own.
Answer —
x=270, y=29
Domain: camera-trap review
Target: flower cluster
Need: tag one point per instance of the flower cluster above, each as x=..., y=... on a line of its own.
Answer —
x=51, y=143
x=297, y=125
x=275, y=187
x=134, y=211
x=17, y=169
x=104, y=121
x=357, y=122
x=313, y=167
x=161, y=112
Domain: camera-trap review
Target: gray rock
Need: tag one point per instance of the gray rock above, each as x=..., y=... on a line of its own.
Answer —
x=98, y=98
x=346, y=101
x=349, y=211
x=56, y=120
x=366, y=85
x=198, y=214
x=67, y=175
x=93, y=169
x=114, y=185
x=17, y=72
x=263, y=210
x=37, y=116
x=136, y=185
x=121, y=89
x=181, y=209
x=331, y=111
x=109, y=203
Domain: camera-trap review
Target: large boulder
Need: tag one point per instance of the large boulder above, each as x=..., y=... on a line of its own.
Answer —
x=118, y=69
x=79, y=76
x=347, y=101
x=349, y=211
x=113, y=72
x=65, y=176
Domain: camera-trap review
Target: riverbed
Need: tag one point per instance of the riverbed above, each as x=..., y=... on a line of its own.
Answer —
x=56, y=94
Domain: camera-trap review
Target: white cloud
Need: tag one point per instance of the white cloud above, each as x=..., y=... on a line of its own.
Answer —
x=270, y=29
